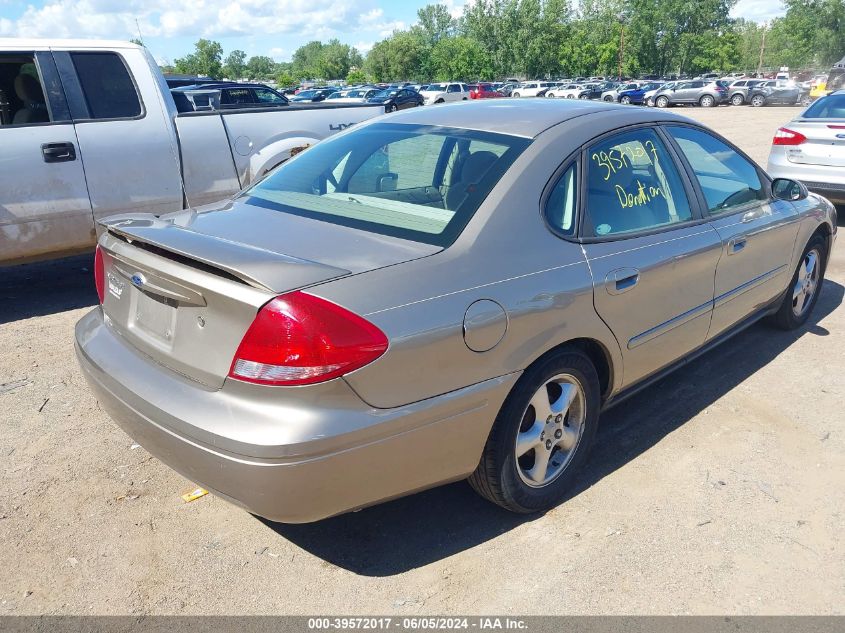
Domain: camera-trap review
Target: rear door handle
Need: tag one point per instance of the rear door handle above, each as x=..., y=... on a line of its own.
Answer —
x=621, y=280
x=736, y=245
x=58, y=152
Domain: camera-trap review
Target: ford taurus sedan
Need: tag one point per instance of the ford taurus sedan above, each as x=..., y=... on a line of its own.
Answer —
x=440, y=294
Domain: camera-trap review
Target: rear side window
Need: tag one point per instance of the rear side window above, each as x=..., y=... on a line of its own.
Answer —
x=235, y=96
x=108, y=88
x=727, y=179
x=421, y=183
x=264, y=95
x=560, y=207
x=22, y=96
x=830, y=107
x=632, y=185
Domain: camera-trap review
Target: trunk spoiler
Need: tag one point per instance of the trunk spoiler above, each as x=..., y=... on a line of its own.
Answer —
x=254, y=266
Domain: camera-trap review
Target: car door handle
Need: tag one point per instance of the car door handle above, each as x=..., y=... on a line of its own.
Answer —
x=58, y=152
x=621, y=280
x=736, y=245
x=750, y=216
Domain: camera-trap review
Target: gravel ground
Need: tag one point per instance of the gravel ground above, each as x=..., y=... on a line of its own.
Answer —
x=719, y=490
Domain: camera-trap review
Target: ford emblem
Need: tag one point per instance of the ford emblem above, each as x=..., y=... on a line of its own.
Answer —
x=138, y=280
x=840, y=136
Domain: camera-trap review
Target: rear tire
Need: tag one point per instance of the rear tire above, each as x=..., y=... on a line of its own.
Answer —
x=439, y=101
x=661, y=102
x=565, y=387
x=608, y=98
x=803, y=290
x=707, y=101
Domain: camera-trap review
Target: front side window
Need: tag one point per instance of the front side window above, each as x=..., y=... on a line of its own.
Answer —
x=632, y=185
x=421, y=183
x=108, y=88
x=727, y=179
x=22, y=99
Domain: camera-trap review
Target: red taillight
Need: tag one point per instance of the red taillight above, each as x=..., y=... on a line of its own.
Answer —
x=300, y=339
x=786, y=136
x=99, y=274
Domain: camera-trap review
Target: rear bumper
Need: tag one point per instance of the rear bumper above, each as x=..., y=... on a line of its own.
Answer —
x=824, y=180
x=288, y=454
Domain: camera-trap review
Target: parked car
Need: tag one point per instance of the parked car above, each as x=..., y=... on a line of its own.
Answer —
x=695, y=92
x=89, y=129
x=442, y=93
x=484, y=91
x=532, y=88
x=776, y=92
x=566, y=91
x=648, y=97
x=612, y=94
x=320, y=353
x=507, y=89
x=637, y=95
x=811, y=148
x=355, y=95
x=226, y=95
x=314, y=95
x=594, y=90
x=394, y=99
x=738, y=91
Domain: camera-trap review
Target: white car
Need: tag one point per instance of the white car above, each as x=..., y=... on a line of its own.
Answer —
x=441, y=93
x=531, y=88
x=357, y=95
x=567, y=91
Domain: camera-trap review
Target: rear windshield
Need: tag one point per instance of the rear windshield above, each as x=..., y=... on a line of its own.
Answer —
x=830, y=107
x=421, y=183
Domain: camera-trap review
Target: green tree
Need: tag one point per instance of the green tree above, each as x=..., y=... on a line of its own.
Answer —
x=285, y=79
x=306, y=60
x=261, y=67
x=235, y=65
x=459, y=58
x=335, y=60
x=435, y=22
x=206, y=60
x=356, y=76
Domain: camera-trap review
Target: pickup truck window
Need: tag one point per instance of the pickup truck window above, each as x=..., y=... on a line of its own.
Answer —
x=264, y=95
x=388, y=179
x=232, y=96
x=22, y=98
x=108, y=88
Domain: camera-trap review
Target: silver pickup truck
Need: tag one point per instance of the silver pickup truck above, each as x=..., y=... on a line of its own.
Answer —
x=89, y=129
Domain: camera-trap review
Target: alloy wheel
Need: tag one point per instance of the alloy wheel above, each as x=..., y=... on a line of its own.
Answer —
x=550, y=431
x=737, y=100
x=807, y=284
x=625, y=100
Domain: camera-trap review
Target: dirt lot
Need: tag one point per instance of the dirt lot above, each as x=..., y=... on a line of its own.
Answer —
x=719, y=490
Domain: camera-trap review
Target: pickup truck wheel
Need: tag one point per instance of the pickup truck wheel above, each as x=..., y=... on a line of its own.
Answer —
x=737, y=100
x=625, y=100
x=758, y=100
x=707, y=101
x=542, y=434
x=661, y=102
x=803, y=290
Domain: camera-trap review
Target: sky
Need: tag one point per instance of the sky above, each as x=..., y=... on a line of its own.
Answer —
x=275, y=28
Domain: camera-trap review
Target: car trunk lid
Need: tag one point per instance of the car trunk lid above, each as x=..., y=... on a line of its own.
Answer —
x=183, y=289
x=825, y=144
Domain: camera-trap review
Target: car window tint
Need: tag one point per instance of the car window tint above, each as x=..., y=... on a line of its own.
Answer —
x=633, y=185
x=264, y=95
x=560, y=207
x=726, y=178
x=233, y=96
x=109, y=90
x=22, y=99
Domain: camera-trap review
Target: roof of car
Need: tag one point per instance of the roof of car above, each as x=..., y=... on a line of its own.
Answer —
x=517, y=117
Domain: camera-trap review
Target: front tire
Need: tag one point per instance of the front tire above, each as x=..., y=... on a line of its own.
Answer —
x=542, y=434
x=803, y=290
x=516, y=94
x=737, y=100
x=661, y=102
x=758, y=100
x=439, y=101
x=625, y=100
x=391, y=108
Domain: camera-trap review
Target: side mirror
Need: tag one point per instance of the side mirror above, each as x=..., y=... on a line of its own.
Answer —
x=387, y=182
x=789, y=190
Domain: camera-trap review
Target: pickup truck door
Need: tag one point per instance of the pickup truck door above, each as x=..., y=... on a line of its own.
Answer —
x=44, y=207
x=126, y=135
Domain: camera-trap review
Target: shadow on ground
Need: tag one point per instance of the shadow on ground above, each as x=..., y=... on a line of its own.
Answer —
x=407, y=533
x=43, y=288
